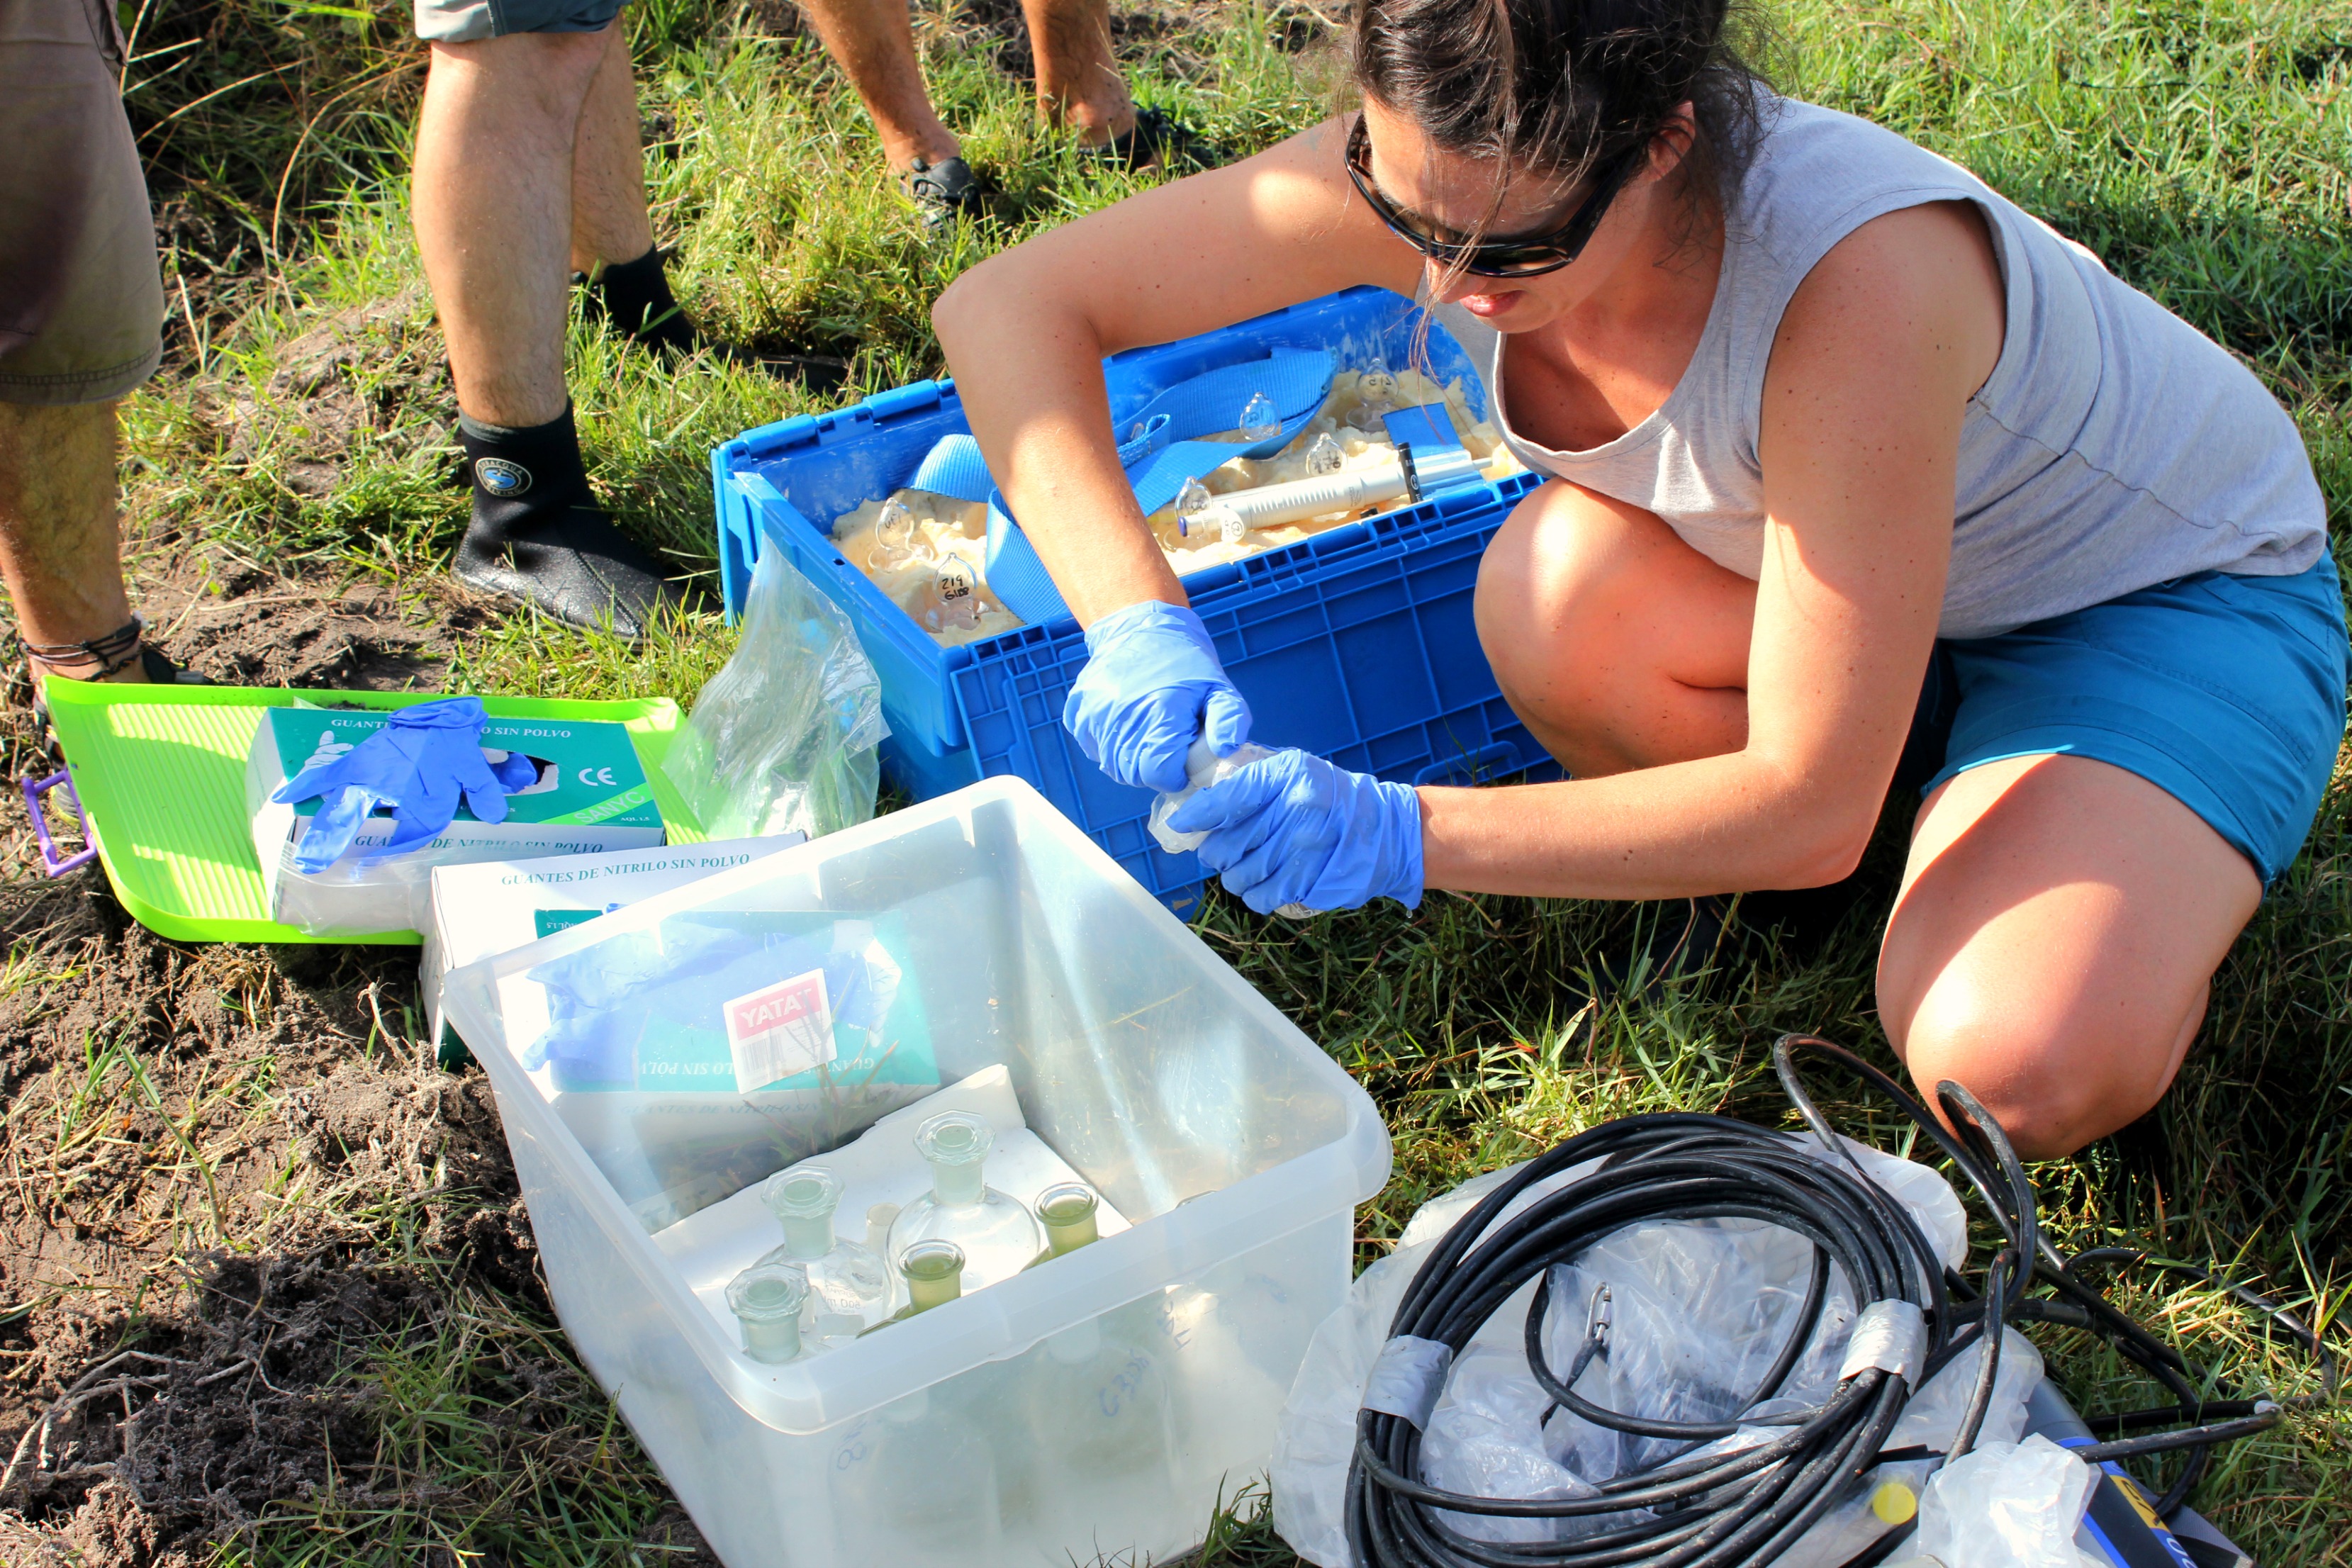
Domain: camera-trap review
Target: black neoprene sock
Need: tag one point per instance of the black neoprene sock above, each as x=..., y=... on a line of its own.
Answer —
x=520, y=475
x=637, y=297
x=538, y=535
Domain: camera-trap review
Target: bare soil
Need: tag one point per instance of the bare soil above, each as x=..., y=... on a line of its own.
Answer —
x=205, y=1151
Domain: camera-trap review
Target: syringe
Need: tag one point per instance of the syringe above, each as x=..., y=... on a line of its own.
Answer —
x=1408, y=474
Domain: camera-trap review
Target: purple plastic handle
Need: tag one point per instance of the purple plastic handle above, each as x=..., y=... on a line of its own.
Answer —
x=51, y=862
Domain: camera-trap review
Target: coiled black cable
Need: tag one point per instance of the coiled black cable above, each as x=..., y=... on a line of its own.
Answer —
x=1750, y=1506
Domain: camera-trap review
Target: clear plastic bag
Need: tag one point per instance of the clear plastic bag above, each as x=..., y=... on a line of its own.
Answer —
x=1700, y=1310
x=783, y=736
x=1203, y=767
x=2006, y=1505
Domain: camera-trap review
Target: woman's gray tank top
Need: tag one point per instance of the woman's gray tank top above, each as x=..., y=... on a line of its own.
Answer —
x=2113, y=447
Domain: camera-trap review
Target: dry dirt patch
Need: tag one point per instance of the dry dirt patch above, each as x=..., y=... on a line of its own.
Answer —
x=235, y=1209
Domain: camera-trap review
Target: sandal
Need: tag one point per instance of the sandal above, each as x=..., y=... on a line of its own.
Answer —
x=1156, y=140
x=945, y=191
x=153, y=663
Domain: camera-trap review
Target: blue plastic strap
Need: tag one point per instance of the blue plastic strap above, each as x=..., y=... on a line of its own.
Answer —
x=1423, y=428
x=954, y=466
x=1159, y=451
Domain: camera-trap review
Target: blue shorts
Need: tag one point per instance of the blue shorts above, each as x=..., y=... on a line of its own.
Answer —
x=2225, y=693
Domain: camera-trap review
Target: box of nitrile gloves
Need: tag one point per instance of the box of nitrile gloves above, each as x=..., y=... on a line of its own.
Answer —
x=588, y=793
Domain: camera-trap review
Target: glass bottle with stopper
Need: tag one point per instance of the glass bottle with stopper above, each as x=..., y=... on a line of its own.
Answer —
x=997, y=1235
x=1192, y=501
x=1066, y=1209
x=933, y=1274
x=1376, y=394
x=1261, y=420
x=920, y=1477
x=1098, y=1401
x=951, y=606
x=849, y=1289
x=767, y=1299
x=898, y=542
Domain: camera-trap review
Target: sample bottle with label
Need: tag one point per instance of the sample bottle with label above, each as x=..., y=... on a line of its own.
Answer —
x=998, y=1236
x=1260, y=420
x=1101, y=1437
x=917, y=1482
x=949, y=603
x=849, y=1289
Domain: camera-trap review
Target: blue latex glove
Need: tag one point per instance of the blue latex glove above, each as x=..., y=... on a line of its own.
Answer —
x=1293, y=829
x=1152, y=686
x=417, y=764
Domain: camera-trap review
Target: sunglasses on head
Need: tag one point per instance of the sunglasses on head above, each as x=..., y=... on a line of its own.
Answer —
x=1511, y=256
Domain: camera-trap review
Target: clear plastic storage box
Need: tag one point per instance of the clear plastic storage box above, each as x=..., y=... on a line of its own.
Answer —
x=1097, y=1405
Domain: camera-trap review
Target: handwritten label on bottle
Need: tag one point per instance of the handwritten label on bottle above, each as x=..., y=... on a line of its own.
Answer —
x=779, y=1030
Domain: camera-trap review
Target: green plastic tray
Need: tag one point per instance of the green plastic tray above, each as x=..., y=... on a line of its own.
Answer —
x=160, y=773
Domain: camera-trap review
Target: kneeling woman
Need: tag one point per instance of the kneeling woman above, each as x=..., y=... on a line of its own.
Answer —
x=1852, y=466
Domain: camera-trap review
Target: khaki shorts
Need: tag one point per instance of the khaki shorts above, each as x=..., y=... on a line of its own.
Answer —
x=464, y=21
x=81, y=297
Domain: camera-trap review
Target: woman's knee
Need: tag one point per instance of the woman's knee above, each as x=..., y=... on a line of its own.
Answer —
x=1578, y=591
x=2055, y=1078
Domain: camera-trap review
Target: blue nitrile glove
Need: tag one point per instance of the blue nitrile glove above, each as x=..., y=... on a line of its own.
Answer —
x=1293, y=829
x=1151, y=686
x=417, y=764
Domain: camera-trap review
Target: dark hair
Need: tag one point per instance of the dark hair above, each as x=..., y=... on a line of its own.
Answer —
x=1555, y=87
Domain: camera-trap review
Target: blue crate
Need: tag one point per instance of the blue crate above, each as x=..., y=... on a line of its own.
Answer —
x=1357, y=643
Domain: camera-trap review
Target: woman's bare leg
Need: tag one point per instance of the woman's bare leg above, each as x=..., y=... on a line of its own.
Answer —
x=1617, y=645
x=2059, y=919
x=2054, y=944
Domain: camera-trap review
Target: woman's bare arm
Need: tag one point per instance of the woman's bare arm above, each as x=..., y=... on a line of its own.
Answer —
x=1876, y=360
x=1026, y=332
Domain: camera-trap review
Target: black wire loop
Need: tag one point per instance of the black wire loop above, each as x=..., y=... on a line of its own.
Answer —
x=1697, y=1508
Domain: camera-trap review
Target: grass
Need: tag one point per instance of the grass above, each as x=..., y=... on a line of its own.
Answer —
x=2200, y=148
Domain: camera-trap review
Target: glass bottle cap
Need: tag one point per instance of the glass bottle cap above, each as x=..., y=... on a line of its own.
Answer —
x=1066, y=1204
x=932, y=1260
x=805, y=1192
x=955, y=1138
x=769, y=1293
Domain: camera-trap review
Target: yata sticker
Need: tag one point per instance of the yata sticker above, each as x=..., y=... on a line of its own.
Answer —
x=779, y=1030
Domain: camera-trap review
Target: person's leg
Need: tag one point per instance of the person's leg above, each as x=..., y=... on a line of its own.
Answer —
x=496, y=161
x=612, y=234
x=81, y=308
x=492, y=203
x=1079, y=85
x=2054, y=942
x=609, y=223
x=1620, y=646
x=60, y=546
x=873, y=42
x=1617, y=645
